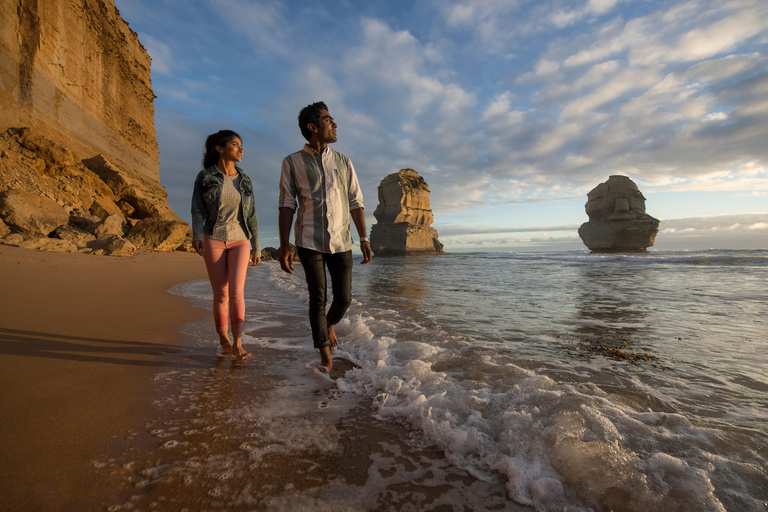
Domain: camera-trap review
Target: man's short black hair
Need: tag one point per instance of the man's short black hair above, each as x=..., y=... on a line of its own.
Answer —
x=310, y=115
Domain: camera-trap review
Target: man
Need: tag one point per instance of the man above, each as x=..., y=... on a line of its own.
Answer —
x=320, y=185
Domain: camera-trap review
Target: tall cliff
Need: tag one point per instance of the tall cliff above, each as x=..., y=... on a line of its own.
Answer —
x=404, y=217
x=75, y=72
x=79, y=164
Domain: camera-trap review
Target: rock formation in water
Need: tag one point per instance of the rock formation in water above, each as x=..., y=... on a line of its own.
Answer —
x=76, y=83
x=404, y=217
x=617, y=218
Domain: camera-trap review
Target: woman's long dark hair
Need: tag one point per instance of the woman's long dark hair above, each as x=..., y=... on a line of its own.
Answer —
x=220, y=138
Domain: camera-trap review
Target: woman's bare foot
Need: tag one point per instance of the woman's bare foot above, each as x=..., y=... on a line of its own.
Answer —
x=332, y=337
x=325, y=358
x=226, y=346
x=237, y=348
x=240, y=353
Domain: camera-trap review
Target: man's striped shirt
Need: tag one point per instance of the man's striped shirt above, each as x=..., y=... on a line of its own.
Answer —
x=324, y=186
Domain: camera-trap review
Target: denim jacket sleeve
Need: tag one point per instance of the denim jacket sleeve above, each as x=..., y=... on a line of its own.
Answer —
x=249, y=211
x=199, y=211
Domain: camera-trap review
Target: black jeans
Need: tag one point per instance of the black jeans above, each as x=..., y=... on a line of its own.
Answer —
x=340, y=268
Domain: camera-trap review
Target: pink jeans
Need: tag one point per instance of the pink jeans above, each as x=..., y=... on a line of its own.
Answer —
x=227, y=263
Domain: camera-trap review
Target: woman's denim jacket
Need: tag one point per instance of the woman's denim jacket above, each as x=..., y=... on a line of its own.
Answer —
x=206, y=198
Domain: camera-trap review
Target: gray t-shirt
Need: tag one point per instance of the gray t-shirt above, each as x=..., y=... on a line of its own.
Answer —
x=230, y=224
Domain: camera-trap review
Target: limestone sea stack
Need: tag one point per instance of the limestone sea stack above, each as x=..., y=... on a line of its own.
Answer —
x=404, y=217
x=617, y=218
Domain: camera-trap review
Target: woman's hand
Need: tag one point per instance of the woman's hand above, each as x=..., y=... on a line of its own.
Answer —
x=255, y=258
x=198, y=246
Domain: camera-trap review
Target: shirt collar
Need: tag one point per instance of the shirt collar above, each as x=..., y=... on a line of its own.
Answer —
x=309, y=149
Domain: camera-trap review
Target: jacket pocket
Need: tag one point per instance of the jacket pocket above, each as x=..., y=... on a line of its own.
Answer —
x=210, y=190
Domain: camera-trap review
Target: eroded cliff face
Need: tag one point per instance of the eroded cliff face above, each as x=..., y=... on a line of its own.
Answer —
x=404, y=217
x=617, y=218
x=51, y=199
x=79, y=164
x=75, y=72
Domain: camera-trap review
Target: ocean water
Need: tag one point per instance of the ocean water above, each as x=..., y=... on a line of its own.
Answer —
x=560, y=381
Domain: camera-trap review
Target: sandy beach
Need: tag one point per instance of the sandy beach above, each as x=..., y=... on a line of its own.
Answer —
x=82, y=337
x=107, y=405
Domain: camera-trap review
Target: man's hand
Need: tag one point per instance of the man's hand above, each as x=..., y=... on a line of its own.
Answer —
x=285, y=218
x=198, y=246
x=365, y=247
x=286, y=259
x=358, y=217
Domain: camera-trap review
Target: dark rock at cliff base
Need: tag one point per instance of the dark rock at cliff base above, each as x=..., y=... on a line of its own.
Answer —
x=617, y=218
x=273, y=254
x=158, y=234
x=4, y=229
x=404, y=217
x=112, y=246
x=78, y=236
x=270, y=254
x=30, y=214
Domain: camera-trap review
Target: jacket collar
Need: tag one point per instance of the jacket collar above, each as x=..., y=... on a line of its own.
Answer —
x=214, y=169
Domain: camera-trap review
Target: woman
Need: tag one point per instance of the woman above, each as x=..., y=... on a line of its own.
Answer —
x=225, y=232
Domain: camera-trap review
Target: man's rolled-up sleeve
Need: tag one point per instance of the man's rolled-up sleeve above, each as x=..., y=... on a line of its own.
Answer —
x=354, y=192
x=287, y=187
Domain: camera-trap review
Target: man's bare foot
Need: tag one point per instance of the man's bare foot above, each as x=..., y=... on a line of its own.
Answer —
x=226, y=346
x=332, y=337
x=240, y=353
x=325, y=358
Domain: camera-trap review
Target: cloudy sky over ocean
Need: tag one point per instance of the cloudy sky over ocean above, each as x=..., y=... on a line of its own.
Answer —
x=512, y=110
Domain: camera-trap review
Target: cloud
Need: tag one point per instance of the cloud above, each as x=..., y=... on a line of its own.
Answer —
x=617, y=100
x=721, y=183
x=621, y=83
x=164, y=61
x=423, y=120
x=606, y=105
x=686, y=32
x=263, y=22
x=403, y=73
x=494, y=230
x=568, y=16
x=489, y=20
x=722, y=35
x=732, y=222
x=494, y=102
x=733, y=230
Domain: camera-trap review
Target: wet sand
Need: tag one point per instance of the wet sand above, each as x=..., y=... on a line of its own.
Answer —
x=81, y=338
x=107, y=406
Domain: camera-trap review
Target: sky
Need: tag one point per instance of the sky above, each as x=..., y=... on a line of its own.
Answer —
x=511, y=110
